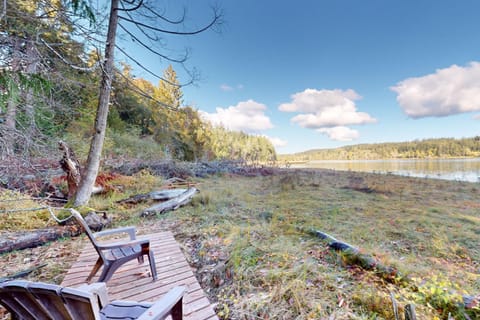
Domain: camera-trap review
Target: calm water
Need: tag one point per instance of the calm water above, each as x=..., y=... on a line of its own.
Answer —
x=449, y=169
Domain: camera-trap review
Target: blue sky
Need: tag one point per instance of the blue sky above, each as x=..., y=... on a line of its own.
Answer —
x=314, y=74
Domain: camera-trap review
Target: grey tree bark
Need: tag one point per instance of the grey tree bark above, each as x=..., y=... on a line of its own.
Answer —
x=93, y=161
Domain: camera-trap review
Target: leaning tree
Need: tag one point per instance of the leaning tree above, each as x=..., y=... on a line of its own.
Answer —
x=145, y=22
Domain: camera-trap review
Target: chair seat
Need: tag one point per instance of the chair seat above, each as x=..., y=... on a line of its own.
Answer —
x=113, y=255
x=120, y=253
x=124, y=310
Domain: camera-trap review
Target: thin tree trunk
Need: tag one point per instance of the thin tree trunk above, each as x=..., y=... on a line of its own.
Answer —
x=93, y=162
x=10, y=120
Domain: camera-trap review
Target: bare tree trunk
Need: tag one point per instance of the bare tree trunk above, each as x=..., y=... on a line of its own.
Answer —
x=93, y=162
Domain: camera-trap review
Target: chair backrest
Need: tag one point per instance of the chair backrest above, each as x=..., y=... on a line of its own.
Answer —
x=35, y=300
x=87, y=229
x=15, y=296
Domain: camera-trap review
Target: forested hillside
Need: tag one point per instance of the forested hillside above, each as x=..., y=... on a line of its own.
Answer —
x=419, y=149
x=49, y=88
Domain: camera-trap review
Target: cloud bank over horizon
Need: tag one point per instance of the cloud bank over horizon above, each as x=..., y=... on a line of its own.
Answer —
x=446, y=92
x=247, y=116
x=328, y=111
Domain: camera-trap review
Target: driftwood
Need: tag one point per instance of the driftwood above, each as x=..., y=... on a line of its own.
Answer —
x=353, y=255
x=36, y=238
x=160, y=195
x=22, y=273
x=171, y=204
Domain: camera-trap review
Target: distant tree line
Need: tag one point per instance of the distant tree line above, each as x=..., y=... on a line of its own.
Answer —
x=418, y=149
x=49, y=91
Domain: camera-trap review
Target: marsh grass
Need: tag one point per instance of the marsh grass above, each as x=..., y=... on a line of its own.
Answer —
x=427, y=229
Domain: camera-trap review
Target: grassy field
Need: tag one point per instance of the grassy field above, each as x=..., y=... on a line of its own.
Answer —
x=245, y=237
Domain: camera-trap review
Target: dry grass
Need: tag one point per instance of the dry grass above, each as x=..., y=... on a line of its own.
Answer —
x=242, y=234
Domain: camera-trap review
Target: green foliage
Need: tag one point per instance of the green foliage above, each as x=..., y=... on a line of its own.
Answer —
x=82, y=9
x=129, y=144
x=225, y=144
x=429, y=148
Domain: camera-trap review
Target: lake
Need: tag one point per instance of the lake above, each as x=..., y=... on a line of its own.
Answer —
x=448, y=169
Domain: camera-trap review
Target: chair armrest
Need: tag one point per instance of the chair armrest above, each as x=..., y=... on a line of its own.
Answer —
x=98, y=289
x=122, y=244
x=130, y=230
x=163, y=307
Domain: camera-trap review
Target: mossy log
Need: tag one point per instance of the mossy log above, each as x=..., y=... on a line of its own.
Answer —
x=353, y=256
x=171, y=204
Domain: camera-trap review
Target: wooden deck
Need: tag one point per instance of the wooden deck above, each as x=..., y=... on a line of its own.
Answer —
x=133, y=282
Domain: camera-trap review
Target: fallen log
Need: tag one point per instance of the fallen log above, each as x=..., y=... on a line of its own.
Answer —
x=36, y=238
x=160, y=195
x=171, y=204
x=352, y=255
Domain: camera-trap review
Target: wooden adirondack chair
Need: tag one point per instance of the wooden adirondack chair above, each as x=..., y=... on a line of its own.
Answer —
x=39, y=301
x=113, y=255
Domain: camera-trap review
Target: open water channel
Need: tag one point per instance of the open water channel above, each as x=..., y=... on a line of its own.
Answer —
x=448, y=169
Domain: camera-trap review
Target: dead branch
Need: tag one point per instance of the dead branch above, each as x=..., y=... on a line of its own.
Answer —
x=22, y=273
x=171, y=204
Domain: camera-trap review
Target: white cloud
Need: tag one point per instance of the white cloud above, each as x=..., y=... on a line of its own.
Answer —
x=447, y=91
x=248, y=116
x=277, y=142
x=225, y=87
x=340, y=133
x=326, y=109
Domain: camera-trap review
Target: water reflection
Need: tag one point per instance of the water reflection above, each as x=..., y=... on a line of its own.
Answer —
x=449, y=169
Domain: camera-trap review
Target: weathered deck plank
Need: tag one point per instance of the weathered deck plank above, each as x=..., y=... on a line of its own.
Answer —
x=133, y=282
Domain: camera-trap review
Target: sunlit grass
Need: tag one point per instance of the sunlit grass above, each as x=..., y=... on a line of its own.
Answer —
x=427, y=229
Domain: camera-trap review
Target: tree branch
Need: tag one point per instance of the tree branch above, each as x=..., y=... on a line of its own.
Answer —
x=87, y=69
x=156, y=14
x=132, y=8
x=183, y=33
x=152, y=73
x=182, y=60
x=144, y=94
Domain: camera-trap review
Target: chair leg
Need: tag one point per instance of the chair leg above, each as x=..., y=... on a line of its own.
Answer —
x=95, y=269
x=177, y=310
x=108, y=271
x=153, y=268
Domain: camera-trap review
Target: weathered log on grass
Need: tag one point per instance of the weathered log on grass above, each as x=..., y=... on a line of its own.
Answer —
x=36, y=238
x=160, y=195
x=171, y=204
x=353, y=256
